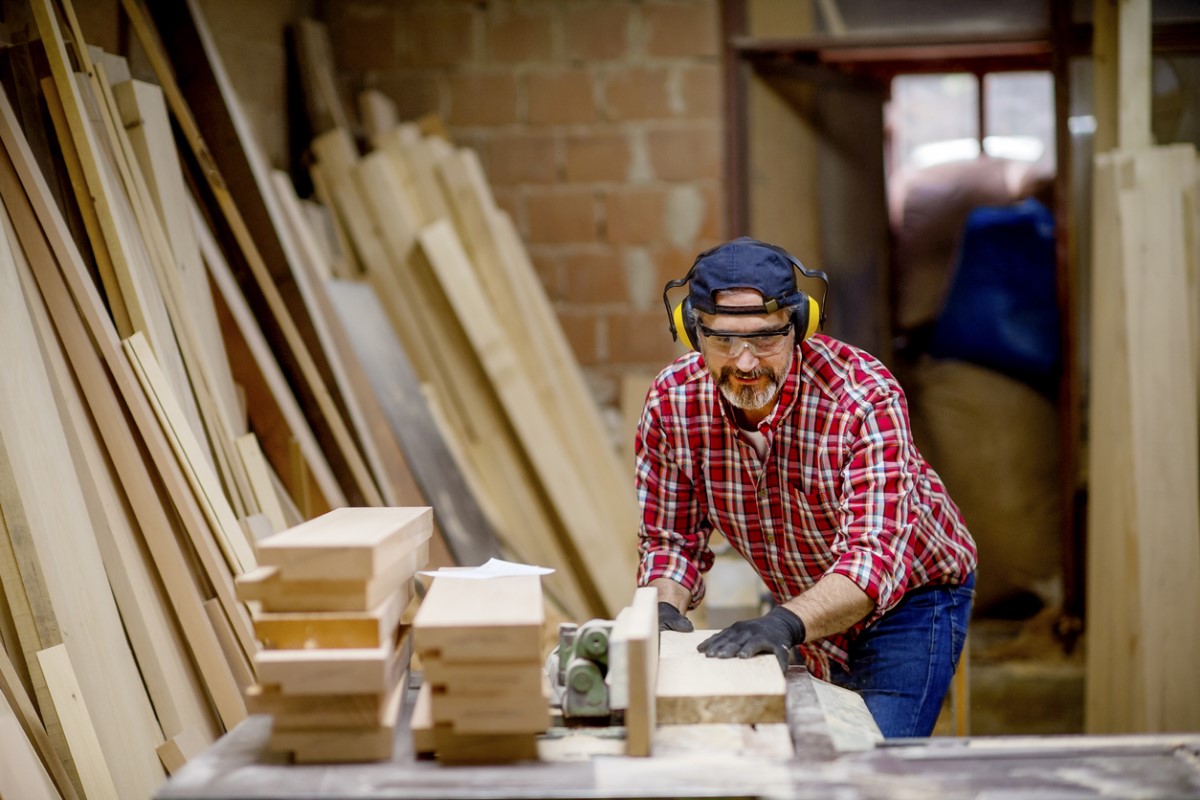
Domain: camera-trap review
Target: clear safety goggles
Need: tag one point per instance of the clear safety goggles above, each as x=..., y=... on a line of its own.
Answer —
x=760, y=343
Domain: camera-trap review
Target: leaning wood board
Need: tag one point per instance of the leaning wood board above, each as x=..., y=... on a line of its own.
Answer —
x=693, y=688
x=58, y=537
x=77, y=724
x=46, y=240
x=605, y=556
x=347, y=543
x=22, y=773
x=464, y=619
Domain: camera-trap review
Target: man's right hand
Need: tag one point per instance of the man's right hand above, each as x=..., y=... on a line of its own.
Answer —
x=669, y=619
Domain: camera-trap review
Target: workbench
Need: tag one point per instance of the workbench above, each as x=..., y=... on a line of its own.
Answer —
x=815, y=754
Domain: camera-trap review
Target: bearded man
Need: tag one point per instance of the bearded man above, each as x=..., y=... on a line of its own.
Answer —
x=797, y=448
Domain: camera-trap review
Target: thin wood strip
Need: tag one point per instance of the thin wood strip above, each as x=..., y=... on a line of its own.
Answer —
x=260, y=480
x=77, y=723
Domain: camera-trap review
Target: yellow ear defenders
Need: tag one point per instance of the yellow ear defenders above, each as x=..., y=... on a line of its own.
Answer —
x=807, y=318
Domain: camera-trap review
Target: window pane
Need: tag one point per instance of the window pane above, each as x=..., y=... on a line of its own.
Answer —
x=1020, y=116
x=934, y=119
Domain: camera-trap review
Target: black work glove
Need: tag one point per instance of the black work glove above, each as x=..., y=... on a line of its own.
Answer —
x=778, y=631
x=669, y=619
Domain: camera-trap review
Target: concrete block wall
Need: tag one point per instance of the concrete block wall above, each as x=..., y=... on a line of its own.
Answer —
x=599, y=123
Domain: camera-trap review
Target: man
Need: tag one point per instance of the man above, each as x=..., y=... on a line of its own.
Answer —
x=797, y=448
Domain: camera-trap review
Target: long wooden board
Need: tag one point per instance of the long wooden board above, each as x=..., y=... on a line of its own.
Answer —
x=347, y=543
x=333, y=629
x=77, y=724
x=316, y=745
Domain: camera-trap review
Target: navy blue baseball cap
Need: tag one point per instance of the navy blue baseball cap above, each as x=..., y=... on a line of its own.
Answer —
x=745, y=263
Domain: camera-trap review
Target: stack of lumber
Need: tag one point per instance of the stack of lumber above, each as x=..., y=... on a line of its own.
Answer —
x=330, y=597
x=456, y=284
x=1143, y=584
x=484, y=696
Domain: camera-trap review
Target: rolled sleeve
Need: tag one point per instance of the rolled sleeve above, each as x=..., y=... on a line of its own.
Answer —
x=672, y=535
x=874, y=547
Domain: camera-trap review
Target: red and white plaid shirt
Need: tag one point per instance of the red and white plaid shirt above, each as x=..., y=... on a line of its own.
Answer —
x=842, y=488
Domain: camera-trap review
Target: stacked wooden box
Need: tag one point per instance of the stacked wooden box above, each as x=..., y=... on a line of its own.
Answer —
x=330, y=596
x=484, y=696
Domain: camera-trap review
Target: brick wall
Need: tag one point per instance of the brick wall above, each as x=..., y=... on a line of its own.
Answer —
x=599, y=125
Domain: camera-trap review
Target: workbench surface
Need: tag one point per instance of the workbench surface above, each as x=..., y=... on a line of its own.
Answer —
x=815, y=760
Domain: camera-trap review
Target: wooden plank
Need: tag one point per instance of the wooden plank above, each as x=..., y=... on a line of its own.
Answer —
x=463, y=619
x=469, y=533
x=333, y=629
x=235, y=657
x=310, y=711
x=603, y=558
x=180, y=749
x=693, y=688
x=464, y=748
x=172, y=683
x=481, y=678
x=21, y=773
x=377, y=112
x=56, y=534
x=239, y=555
x=265, y=585
x=16, y=168
x=16, y=699
x=341, y=745
x=633, y=646
x=318, y=77
x=258, y=473
x=77, y=723
x=193, y=52
x=347, y=543
x=515, y=713
x=366, y=670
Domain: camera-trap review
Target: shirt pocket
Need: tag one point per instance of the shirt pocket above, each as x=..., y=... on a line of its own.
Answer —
x=814, y=520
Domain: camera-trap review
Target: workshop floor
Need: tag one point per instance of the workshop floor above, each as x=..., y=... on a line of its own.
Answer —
x=1020, y=682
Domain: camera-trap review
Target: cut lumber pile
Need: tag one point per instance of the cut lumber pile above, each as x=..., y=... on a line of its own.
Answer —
x=693, y=688
x=334, y=664
x=484, y=696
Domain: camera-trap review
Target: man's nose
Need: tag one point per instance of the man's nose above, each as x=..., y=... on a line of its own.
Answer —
x=746, y=359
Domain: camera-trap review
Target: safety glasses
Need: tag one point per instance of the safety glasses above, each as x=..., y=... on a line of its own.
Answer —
x=760, y=343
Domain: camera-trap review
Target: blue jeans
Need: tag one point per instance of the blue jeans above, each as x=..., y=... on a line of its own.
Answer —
x=902, y=663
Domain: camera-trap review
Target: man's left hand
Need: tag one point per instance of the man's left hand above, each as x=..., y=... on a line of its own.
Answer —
x=778, y=631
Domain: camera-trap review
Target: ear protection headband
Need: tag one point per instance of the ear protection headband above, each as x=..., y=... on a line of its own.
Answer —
x=807, y=318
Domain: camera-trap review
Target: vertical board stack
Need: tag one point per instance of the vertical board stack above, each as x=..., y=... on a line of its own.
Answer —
x=484, y=696
x=335, y=656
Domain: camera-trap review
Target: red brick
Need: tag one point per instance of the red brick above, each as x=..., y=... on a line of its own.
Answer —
x=700, y=88
x=561, y=217
x=682, y=30
x=414, y=93
x=685, y=154
x=547, y=263
x=519, y=36
x=365, y=35
x=671, y=263
x=561, y=98
x=640, y=337
x=582, y=331
x=597, y=157
x=483, y=98
x=441, y=36
x=522, y=158
x=713, y=227
x=637, y=93
x=597, y=32
x=636, y=216
x=595, y=277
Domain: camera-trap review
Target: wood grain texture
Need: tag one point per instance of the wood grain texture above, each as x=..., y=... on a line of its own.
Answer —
x=634, y=644
x=347, y=543
x=333, y=629
x=340, y=745
x=21, y=772
x=693, y=688
x=77, y=724
x=497, y=619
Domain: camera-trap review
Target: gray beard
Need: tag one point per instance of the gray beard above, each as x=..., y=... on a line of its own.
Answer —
x=752, y=397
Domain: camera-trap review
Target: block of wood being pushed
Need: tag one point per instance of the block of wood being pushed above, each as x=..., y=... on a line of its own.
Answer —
x=327, y=601
x=468, y=632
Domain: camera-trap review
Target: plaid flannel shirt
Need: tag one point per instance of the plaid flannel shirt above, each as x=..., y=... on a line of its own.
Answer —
x=842, y=488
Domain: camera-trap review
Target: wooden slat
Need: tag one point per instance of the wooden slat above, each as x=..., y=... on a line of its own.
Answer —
x=333, y=629
x=325, y=745
x=318, y=76
x=180, y=749
x=367, y=670
x=77, y=723
x=347, y=543
x=261, y=484
x=603, y=558
x=515, y=712
x=633, y=654
x=16, y=699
